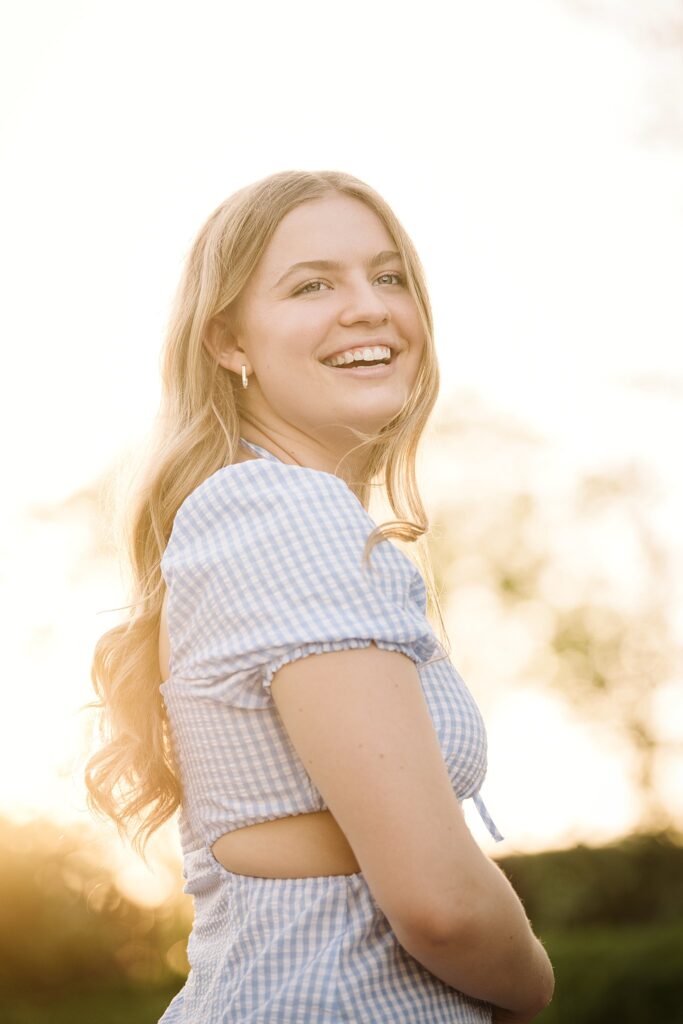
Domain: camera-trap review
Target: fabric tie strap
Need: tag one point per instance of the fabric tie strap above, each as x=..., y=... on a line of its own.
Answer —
x=486, y=817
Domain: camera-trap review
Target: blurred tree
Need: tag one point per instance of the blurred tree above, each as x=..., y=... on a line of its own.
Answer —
x=608, y=647
x=612, y=661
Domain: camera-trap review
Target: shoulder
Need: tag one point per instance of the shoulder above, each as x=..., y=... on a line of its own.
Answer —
x=260, y=484
x=263, y=500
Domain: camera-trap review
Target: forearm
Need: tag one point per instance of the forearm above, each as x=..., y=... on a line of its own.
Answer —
x=491, y=955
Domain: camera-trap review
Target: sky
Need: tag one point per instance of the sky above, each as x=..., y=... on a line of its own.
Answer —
x=534, y=152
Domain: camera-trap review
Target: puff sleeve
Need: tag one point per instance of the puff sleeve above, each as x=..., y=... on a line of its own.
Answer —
x=265, y=565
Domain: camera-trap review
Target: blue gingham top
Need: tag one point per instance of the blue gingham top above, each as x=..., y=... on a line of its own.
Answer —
x=263, y=566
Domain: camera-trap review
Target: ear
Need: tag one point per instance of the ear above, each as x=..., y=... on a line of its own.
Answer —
x=221, y=342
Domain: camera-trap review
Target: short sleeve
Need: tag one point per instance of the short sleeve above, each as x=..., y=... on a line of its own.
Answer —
x=265, y=566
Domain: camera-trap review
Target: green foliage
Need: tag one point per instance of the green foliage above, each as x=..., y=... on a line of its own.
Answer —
x=105, y=1006
x=635, y=881
x=631, y=975
x=611, y=919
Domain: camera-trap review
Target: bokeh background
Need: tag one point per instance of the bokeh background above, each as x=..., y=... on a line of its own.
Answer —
x=534, y=151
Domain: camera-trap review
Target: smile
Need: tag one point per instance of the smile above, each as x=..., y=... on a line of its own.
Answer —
x=371, y=372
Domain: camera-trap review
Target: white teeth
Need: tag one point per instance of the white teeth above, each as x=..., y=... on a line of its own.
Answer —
x=353, y=355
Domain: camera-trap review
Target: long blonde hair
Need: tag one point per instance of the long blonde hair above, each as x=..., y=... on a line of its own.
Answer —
x=132, y=777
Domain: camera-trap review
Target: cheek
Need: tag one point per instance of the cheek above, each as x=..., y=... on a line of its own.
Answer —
x=298, y=326
x=404, y=309
x=277, y=339
x=410, y=324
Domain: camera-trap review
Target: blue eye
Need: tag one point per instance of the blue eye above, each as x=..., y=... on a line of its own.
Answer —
x=310, y=287
x=306, y=289
x=399, y=277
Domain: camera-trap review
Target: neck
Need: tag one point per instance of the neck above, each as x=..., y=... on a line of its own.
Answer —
x=300, y=450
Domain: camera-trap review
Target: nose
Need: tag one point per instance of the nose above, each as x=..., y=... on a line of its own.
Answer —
x=363, y=303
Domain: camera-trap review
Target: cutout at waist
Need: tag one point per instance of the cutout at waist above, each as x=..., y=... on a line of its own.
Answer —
x=296, y=846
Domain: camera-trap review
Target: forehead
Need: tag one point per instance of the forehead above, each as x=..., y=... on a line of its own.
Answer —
x=334, y=227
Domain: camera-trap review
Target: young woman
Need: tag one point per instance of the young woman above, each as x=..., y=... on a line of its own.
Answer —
x=333, y=874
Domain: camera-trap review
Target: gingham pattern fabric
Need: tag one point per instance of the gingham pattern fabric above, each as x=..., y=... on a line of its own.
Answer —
x=264, y=566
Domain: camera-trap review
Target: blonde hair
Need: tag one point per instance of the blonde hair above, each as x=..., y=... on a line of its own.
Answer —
x=132, y=777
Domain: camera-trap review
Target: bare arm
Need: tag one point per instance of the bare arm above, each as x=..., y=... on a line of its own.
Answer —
x=491, y=953
x=361, y=726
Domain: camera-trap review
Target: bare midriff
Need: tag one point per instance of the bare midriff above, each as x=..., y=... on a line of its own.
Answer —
x=297, y=846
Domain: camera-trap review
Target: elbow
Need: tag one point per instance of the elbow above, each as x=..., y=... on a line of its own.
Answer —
x=425, y=923
x=459, y=924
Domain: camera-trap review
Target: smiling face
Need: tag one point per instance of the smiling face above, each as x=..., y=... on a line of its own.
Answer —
x=352, y=294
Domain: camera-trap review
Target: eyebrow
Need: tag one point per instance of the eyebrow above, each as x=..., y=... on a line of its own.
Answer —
x=375, y=261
